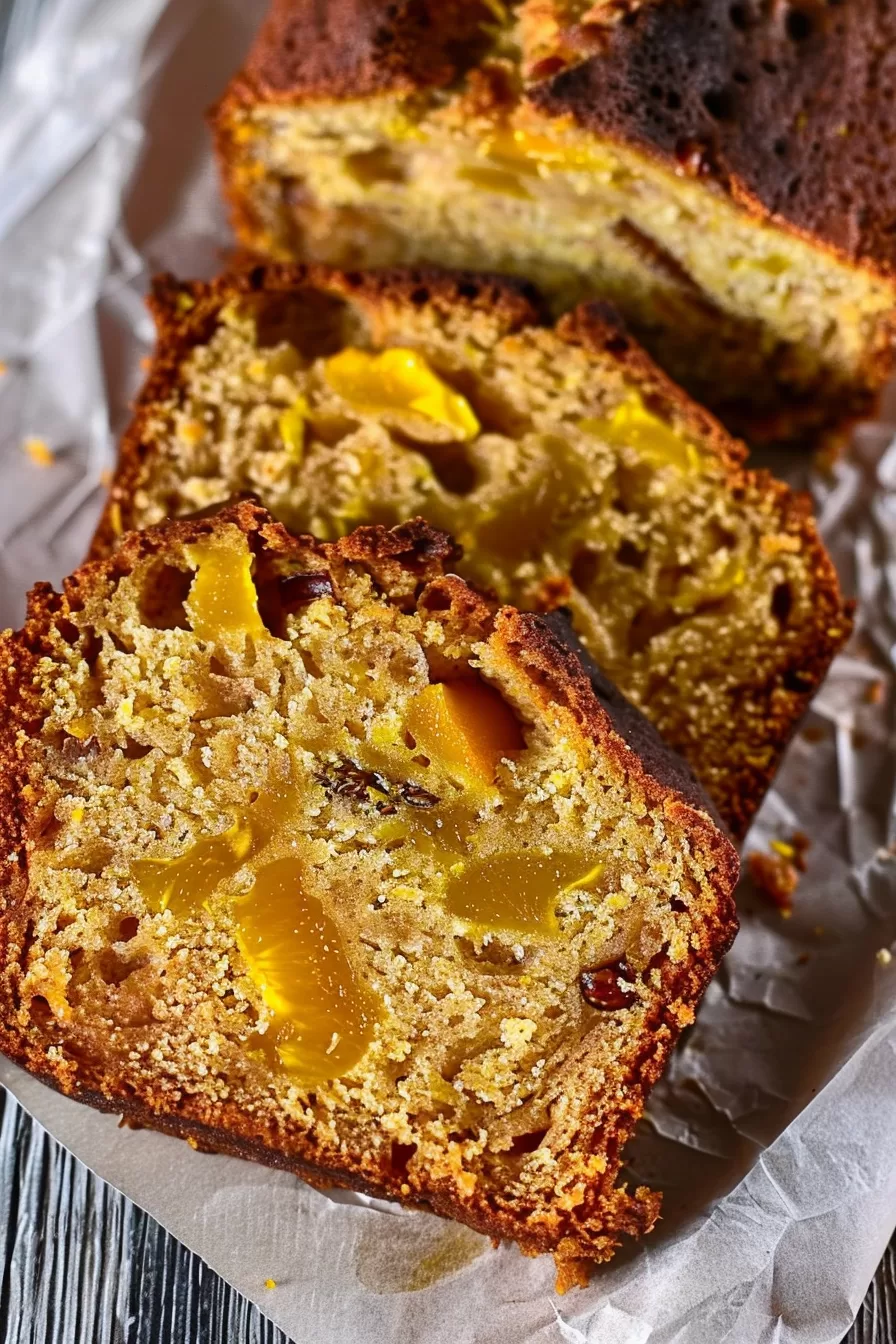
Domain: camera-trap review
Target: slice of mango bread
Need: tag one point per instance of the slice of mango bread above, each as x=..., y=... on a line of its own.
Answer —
x=314, y=856
x=568, y=467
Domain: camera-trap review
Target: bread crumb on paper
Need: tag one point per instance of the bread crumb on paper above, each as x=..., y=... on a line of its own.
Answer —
x=775, y=876
x=270, y=1283
x=39, y=451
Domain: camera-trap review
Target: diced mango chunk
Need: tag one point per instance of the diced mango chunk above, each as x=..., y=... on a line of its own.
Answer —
x=467, y=728
x=518, y=892
x=399, y=380
x=222, y=602
x=291, y=424
x=537, y=154
x=324, y=1015
x=631, y=425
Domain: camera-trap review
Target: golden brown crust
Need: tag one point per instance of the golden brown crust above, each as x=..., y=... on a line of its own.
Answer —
x=408, y=563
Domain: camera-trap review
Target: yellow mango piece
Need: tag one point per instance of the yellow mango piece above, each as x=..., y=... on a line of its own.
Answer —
x=466, y=727
x=222, y=603
x=399, y=380
x=515, y=893
x=631, y=425
x=324, y=1015
x=186, y=884
x=499, y=180
x=539, y=155
x=291, y=425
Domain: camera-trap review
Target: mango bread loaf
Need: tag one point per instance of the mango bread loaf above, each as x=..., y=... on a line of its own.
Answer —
x=316, y=857
x=571, y=471
x=720, y=171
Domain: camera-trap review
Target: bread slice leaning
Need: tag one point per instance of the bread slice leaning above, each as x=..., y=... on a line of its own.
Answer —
x=314, y=856
x=569, y=468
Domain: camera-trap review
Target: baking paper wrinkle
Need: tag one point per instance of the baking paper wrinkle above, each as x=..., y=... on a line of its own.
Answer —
x=772, y=1133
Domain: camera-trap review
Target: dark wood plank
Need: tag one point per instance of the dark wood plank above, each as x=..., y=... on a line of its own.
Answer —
x=81, y=1265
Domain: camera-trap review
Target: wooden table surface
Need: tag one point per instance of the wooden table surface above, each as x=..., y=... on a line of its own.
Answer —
x=79, y=1264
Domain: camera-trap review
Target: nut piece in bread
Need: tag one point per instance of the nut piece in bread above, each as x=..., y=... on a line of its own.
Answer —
x=569, y=468
x=721, y=172
x=314, y=856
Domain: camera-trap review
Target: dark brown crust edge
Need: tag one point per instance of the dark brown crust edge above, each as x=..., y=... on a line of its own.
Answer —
x=417, y=554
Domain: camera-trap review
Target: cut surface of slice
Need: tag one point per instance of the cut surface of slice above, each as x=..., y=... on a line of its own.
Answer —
x=340, y=867
x=570, y=470
x=717, y=171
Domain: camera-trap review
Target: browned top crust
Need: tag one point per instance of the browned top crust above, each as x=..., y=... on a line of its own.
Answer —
x=357, y=48
x=787, y=108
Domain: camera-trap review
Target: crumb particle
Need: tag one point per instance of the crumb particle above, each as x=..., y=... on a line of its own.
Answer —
x=884, y=956
x=39, y=451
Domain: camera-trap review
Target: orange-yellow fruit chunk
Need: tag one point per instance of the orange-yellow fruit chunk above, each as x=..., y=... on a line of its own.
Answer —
x=399, y=380
x=467, y=728
x=324, y=1015
x=222, y=605
x=631, y=425
x=516, y=893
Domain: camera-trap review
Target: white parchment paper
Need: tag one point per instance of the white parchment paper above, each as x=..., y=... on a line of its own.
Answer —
x=773, y=1135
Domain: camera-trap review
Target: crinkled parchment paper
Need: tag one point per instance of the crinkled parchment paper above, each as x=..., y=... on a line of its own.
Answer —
x=774, y=1133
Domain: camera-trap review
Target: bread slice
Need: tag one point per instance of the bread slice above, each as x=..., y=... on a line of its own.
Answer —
x=720, y=171
x=568, y=467
x=314, y=856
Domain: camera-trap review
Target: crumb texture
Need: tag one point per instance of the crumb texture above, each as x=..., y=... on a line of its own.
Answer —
x=326, y=861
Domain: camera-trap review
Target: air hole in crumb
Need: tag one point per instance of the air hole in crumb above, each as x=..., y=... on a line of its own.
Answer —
x=436, y=598
x=628, y=554
x=113, y=969
x=40, y=1010
x=450, y=465
x=739, y=16
x=782, y=602
x=527, y=1143
x=165, y=589
x=75, y=957
x=135, y=751
x=91, y=647
x=794, y=680
x=769, y=67
x=422, y=761
x=67, y=630
x=647, y=625
x=127, y=929
x=313, y=322
x=780, y=148
x=719, y=103
x=375, y=165
x=410, y=740
x=401, y=1155
x=584, y=568
x=64, y=922
x=798, y=25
